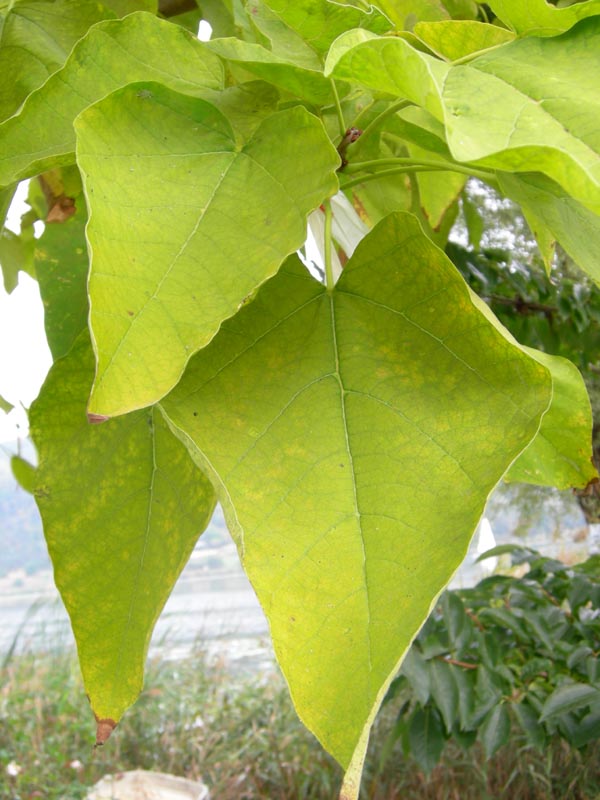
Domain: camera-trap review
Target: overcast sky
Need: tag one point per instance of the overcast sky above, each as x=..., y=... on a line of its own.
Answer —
x=24, y=355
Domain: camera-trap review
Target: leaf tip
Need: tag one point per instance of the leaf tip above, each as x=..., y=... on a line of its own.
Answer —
x=104, y=728
x=96, y=419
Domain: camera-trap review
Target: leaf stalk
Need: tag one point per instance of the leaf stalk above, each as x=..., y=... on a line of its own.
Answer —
x=338, y=108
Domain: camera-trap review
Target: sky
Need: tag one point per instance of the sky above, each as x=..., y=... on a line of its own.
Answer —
x=24, y=355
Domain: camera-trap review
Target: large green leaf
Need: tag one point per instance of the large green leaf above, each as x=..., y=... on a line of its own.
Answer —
x=36, y=39
x=122, y=506
x=354, y=436
x=61, y=266
x=197, y=224
x=317, y=23
x=569, y=697
x=303, y=78
x=539, y=18
x=453, y=38
x=496, y=110
x=114, y=53
x=548, y=209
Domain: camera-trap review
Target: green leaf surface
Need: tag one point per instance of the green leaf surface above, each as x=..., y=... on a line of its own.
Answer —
x=549, y=210
x=36, y=39
x=444, y=691
x=220, y=16
x=528, y=719
x=317, y=23
x=561, y=453
x=301, y=77
x=406, y=13
x=539, y=18
x=495, y=730
x=452, y=39
x=473, y=221
x=61, y=265
x=16, y=254
x=245, y=106
x=426, y=738
x=6, y=198
x=5, y=405
x=496, y=109
x=122, y=506
x=364, y=430
x=567, y=698
x=587, y=729
x=196, y=226
x=124, y=7
x=114, y=53
x=24, y=473
x=417, y=672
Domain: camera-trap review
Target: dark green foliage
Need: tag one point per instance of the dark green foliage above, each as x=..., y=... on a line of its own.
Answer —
x=511, y=656
x=243, y=738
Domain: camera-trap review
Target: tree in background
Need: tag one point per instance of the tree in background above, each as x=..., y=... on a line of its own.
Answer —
x=352, y=429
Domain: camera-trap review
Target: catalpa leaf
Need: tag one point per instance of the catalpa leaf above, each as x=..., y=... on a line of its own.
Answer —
x=61, y=267
x=114, y=53
x=552, y=214
x=353, y=437
x=36, y=38
x=122, y=506
x=184, y=226
x=315, y=22
x=561, y=453
x=496, y=109
x=456, y=38
x=539, y=18
x=405, y=13
x=302, y=77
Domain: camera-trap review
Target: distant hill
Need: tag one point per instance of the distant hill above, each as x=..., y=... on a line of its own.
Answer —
x=22, y=544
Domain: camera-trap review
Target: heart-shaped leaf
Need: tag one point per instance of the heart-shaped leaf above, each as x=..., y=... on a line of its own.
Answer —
x=354, y=436
x=122, y=506
x=114, y=53
x=184, y=226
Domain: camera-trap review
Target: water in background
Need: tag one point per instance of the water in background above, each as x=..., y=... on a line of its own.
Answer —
x=213, y=601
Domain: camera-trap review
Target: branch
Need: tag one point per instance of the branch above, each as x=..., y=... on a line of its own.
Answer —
x=522, y=306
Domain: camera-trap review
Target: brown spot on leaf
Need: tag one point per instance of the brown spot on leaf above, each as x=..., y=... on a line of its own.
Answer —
x=96, y=419
x=62, y=209
x=130, y=313
x=104, y=728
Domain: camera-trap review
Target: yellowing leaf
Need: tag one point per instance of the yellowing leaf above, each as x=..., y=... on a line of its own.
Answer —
x=363, y=431
x=540, y=18
x=114, y=53
x=184, y=226
x=561, y=453
x=497, y=110
x=122, y=506
x=453, y=38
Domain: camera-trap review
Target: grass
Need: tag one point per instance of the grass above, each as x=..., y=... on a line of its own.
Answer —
x=242, y=737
